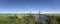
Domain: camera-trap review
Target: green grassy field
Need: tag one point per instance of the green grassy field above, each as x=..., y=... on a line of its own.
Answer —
x=18, y=15
x=11, y=18
x=53, y=15
x=21, y=18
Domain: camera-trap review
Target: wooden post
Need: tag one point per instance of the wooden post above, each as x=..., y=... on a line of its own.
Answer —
x=39, y=13
x=38, y=18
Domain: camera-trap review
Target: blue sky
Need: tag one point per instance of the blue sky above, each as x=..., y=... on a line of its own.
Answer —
x=20, y=6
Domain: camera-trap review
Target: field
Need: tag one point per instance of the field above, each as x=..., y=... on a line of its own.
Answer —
x=24, y=18
x=13, y=18
x=53, y=15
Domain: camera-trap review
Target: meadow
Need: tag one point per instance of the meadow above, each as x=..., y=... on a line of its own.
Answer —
x=26, y=19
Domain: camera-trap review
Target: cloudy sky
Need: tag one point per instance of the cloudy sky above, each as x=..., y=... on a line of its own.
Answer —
x=20, y=6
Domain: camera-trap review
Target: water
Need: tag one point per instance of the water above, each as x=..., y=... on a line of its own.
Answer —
x=43, y=18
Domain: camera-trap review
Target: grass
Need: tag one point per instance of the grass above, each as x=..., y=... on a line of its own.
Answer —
x=21, y=15
x=53, y=15
x=10, y=18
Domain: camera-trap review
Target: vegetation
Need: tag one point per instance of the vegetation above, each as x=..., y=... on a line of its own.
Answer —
x=28, y=19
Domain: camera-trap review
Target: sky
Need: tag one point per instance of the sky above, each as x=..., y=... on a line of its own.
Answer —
x=24, y=6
